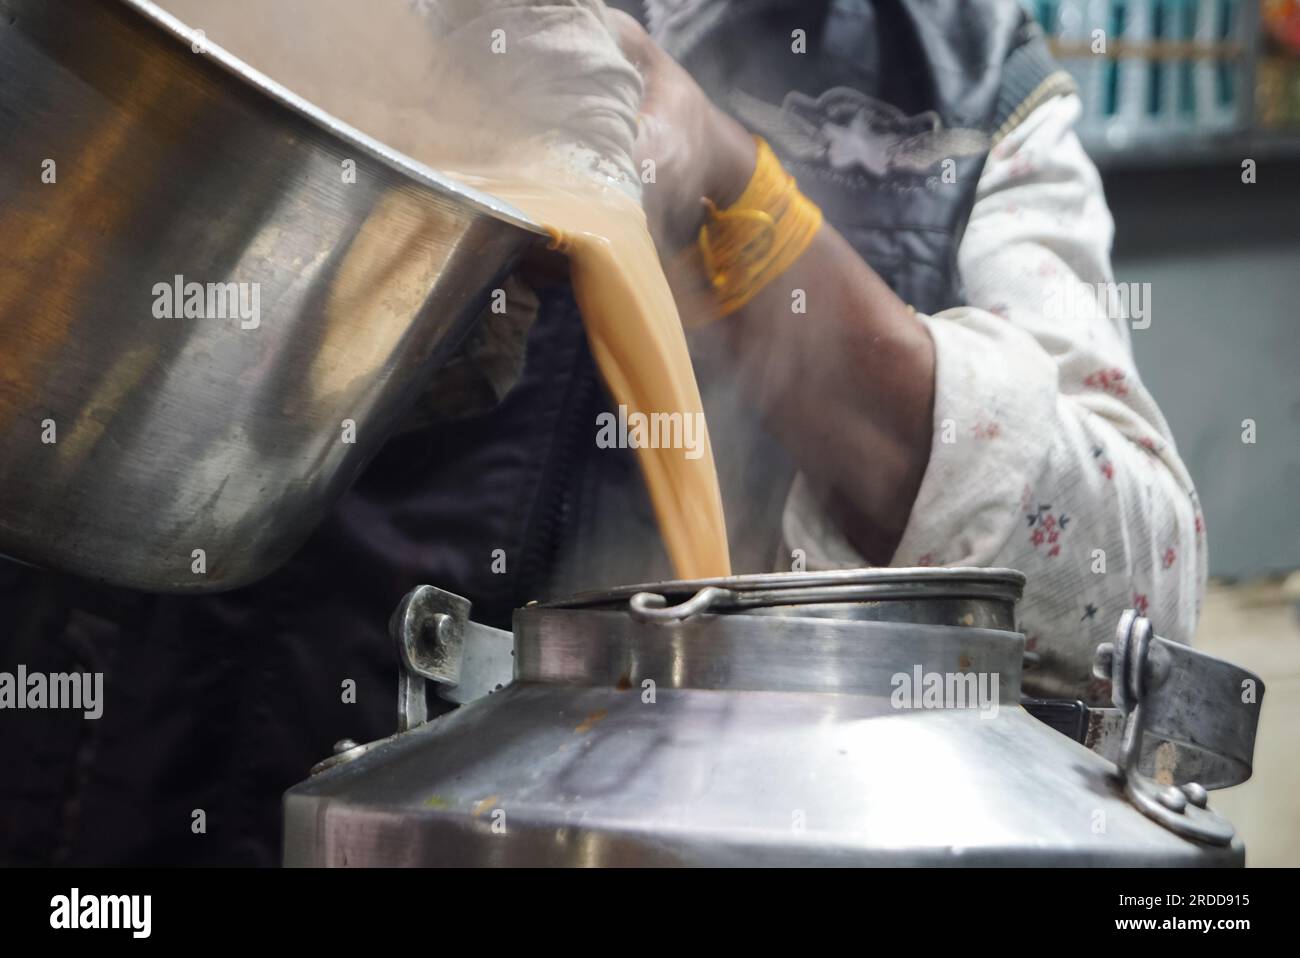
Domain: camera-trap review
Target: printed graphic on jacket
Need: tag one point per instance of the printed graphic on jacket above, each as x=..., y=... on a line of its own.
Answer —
x=845, y=128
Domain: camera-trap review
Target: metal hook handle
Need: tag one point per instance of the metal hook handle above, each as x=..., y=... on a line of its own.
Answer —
x=652, y=607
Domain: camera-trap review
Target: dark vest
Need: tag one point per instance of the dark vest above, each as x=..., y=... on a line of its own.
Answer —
x=222, y=702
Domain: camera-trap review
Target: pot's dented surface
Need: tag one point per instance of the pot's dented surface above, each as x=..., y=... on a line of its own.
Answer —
x=791, y=719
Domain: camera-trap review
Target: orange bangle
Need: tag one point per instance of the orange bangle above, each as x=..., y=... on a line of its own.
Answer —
x=751, y=242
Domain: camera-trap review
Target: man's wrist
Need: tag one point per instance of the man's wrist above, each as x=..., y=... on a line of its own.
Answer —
x=732, y=164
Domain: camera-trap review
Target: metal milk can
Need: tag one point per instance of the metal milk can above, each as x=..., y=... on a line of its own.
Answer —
x=860, y=717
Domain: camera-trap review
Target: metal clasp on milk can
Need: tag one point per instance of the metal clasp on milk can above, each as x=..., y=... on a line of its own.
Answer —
x=437, y=641
x=1203, y=709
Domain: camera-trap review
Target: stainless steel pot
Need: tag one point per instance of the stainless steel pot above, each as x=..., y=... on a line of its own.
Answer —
x=155, y=438
x=764, y=720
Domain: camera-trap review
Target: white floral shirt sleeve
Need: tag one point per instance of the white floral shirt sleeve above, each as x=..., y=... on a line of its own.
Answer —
x=1049, y=455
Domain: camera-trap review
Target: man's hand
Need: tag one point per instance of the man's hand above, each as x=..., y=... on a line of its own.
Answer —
x=697, y=150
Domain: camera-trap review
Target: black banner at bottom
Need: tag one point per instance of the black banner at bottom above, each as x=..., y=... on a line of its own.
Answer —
x=580, y=908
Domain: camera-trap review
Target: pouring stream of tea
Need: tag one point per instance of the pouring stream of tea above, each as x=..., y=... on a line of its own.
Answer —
x=637, y=341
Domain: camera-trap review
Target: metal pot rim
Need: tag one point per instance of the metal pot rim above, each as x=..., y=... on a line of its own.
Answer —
x=833, y=585
x=329, y=124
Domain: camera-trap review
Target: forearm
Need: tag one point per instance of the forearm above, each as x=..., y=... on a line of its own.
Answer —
x=842, y=372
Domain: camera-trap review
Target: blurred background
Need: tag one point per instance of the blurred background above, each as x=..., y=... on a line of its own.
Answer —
x=1178, y=95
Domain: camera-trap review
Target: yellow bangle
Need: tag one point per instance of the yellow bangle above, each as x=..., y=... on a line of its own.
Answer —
x=751, y=242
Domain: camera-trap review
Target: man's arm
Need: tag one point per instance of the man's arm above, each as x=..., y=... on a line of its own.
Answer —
x=847, y=383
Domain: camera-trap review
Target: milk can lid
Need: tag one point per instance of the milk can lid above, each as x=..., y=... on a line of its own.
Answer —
x=680, y=598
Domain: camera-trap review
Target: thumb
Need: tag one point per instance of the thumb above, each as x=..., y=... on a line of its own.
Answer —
x=632, y=39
